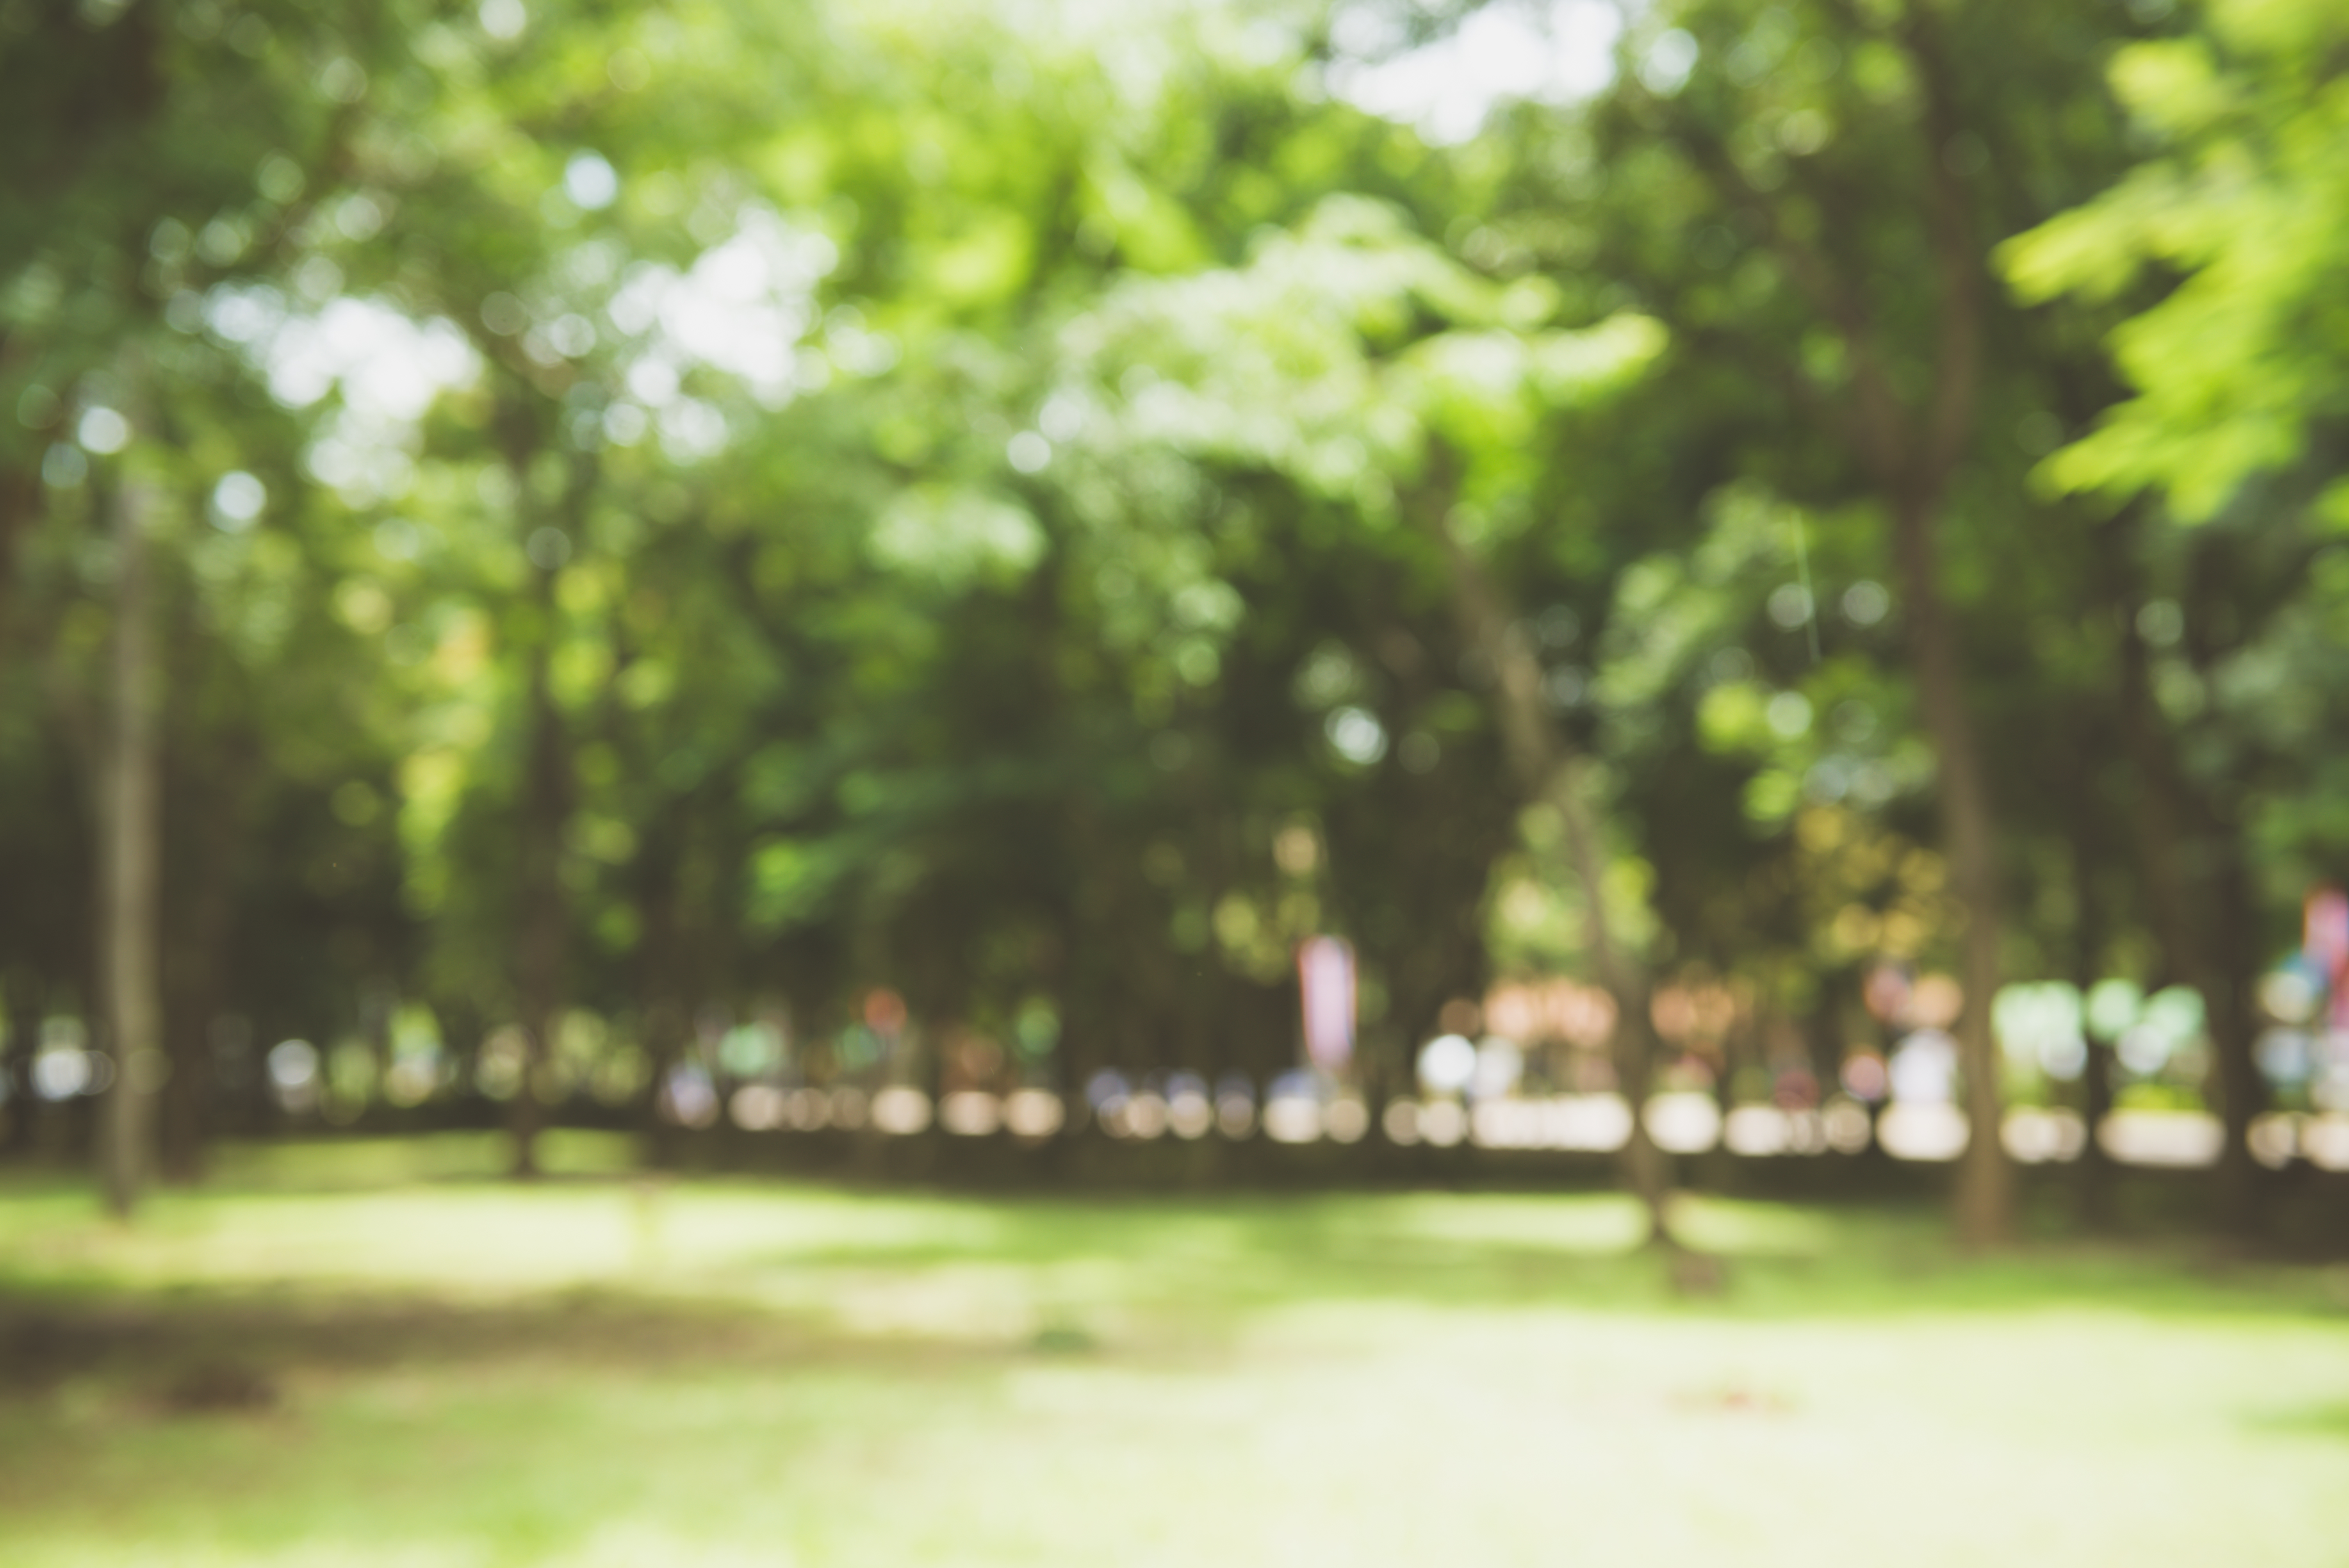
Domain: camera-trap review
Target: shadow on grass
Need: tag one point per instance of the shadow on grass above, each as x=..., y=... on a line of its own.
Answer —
x=378, y=1252
x=299, y=1371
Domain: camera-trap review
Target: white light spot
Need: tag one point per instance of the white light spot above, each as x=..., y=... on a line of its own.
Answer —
x=1922, y=1131
x=572, y=335
x=1356, y=736
x=624, y=424
x=237, y=500
x=102, y=430
x=1028, y=452
x=1033, y=1113
x=1447, y=1063
x=61, y=1074
x=901, y=1110
x=1789, y=714
x=1668, y=60
x=1790, y=605
x=1865, y=603
x=361, y=218
x=1446, y=87
x=970, y=1113
x=1682, y=1122
x=653, y=381
x=591, y=181
x=503, y=19
x=1062, y=418
x=292, y=1063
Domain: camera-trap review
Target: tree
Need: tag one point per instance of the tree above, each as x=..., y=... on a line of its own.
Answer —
x=1298, y=362
x=2221, y=470
x=130, y=112
x=1845, y=171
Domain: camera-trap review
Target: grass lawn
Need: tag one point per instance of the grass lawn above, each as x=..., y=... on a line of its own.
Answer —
x=374, y=1356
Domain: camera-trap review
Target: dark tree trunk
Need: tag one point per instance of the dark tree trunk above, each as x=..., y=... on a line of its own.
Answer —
x=129, y=855
x=1910, y=447
x=20, y=1031
x=663, y=978
x=191, y=999
x=541, y=912
x=2095, y=1172
x=2199, y=902
x=210, y=796
x=1985, y=1196
x=2230, y=1000
x=539, y=955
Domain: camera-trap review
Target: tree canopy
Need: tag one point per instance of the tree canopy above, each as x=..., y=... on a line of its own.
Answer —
x=934, y=543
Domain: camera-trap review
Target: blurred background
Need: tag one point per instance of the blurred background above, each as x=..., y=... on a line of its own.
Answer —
x=1024, y=601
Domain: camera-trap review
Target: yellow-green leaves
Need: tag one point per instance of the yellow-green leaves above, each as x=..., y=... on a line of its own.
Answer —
x=2174, y=85
x=1340, y=348
x=985, y=263
x=2250, y=204
x=955, y=534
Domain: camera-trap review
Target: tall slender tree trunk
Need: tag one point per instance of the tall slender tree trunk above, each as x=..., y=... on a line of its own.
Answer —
x=539, y=954
x=1912, y=447
x=1550, y=771
x=130, y=858
x=2199, y=904
x=1985, y=1195
x=200, y=911
x=191, y=994
x=20, y=1028
x=2094, y=1175
x=663, y=1019
x=2231, y=1007
x=665, y=976
x=545, y=803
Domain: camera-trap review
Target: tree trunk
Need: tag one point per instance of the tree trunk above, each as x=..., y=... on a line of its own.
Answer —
x=2231, y=1012
x=545, y=803
x=2202, y=914
x=20, y=1030
x=2094, y=1175
x=209, y=821
x=539, y=955
x=130, y=854
x=661, y=975
x=1626, y=980
x=1985, y=1195
x=1548, y=771
x=192, y=1000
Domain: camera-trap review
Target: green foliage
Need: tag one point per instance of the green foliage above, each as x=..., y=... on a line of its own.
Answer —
x=785, y=499
x=2243, y=203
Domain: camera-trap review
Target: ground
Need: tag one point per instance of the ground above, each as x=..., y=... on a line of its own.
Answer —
x=374, y=1355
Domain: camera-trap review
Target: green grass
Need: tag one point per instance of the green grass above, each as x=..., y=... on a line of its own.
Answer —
x=600, y=1371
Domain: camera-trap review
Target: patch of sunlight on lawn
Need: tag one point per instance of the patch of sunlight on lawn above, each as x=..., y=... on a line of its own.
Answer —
x=1592, y=1223
x=826, y=1378
x=482, y=1240
x=1743, y=1228
x=1602, y=1223
x=1333, y=1433
x=352, y=1163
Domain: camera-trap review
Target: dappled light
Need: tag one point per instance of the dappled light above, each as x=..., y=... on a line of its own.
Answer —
x=1090, y=1359
x=1336, y=781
